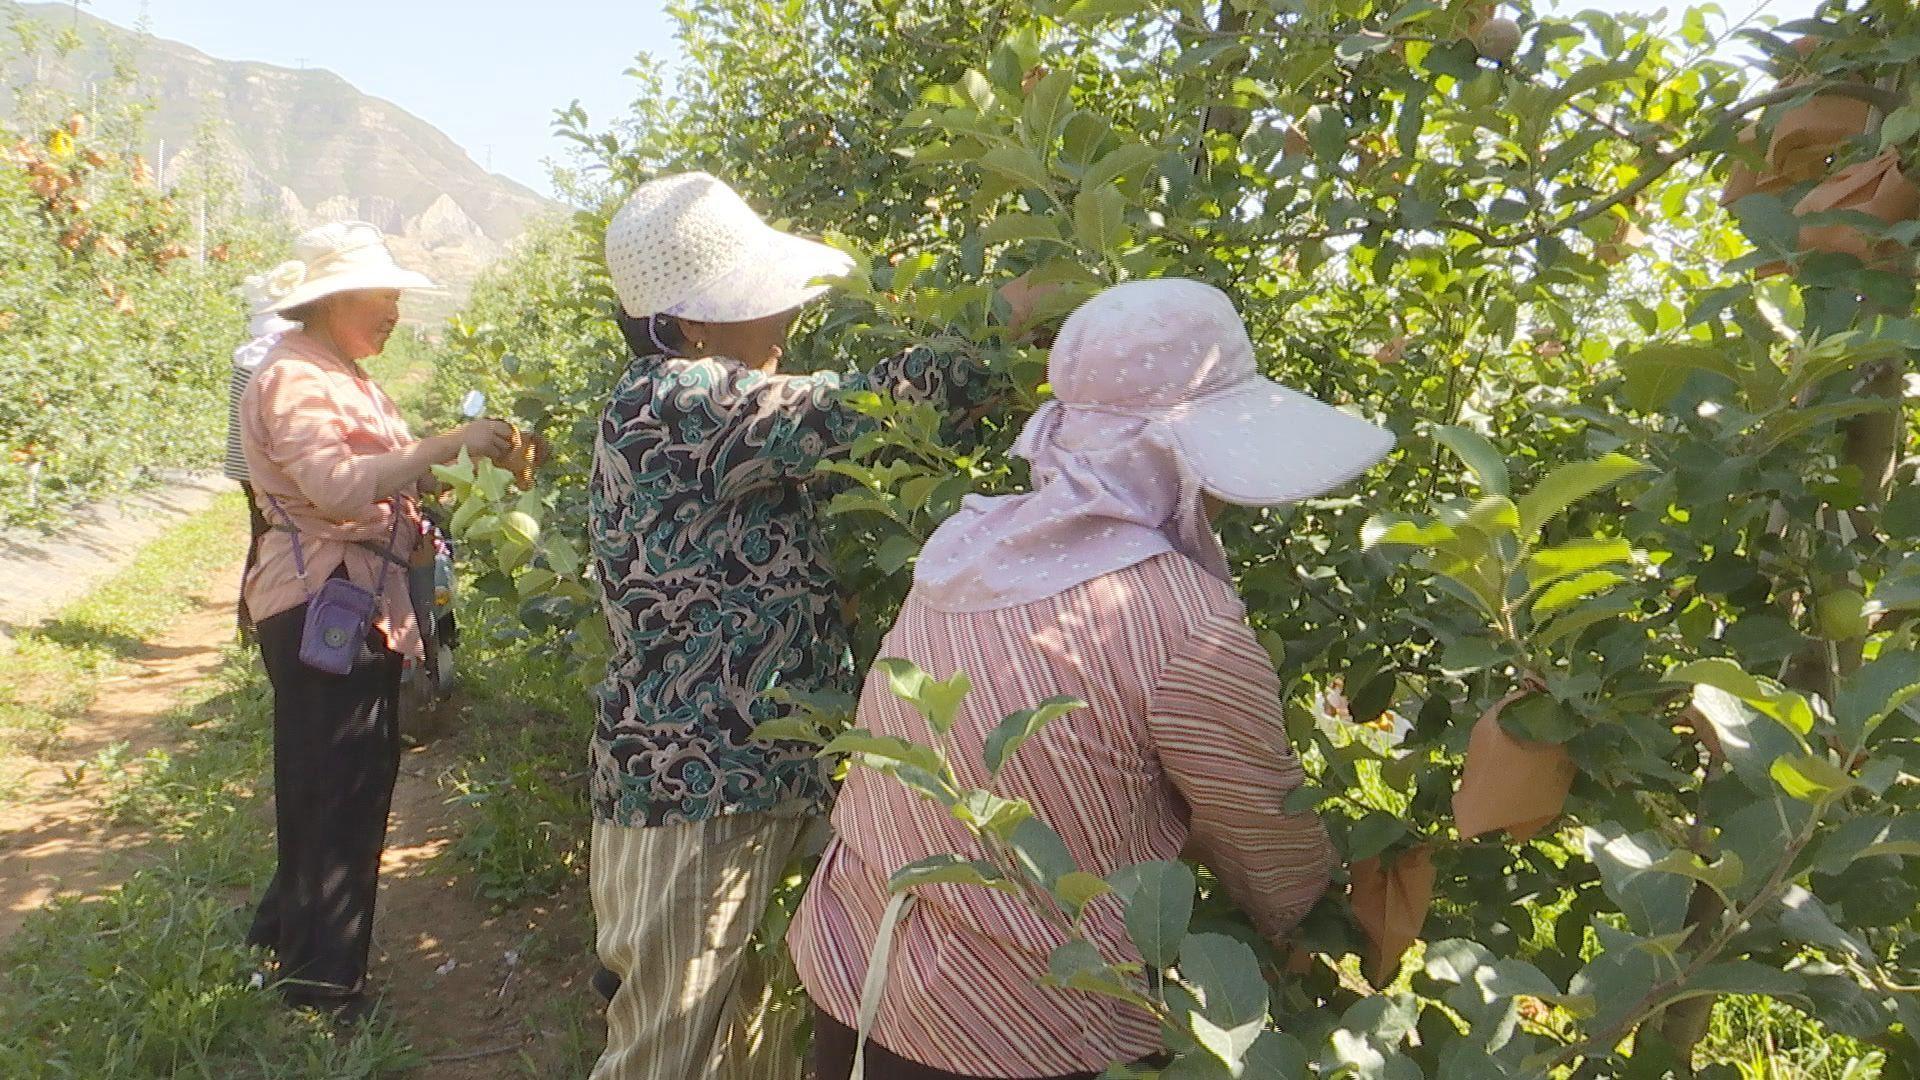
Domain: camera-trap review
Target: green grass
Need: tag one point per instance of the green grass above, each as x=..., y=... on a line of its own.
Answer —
x=1766, y=1040
x=520, y=776
x=151, y=979
x=52, y=676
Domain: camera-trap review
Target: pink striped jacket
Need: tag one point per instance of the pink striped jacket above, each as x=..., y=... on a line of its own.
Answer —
x=1183, y=742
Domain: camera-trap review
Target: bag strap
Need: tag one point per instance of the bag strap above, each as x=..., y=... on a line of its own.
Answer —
x=299, y=557
x=390, y=555
x=875, y=985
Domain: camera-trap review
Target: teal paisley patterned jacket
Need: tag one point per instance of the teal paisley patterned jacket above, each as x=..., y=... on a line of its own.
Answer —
x=717, y=584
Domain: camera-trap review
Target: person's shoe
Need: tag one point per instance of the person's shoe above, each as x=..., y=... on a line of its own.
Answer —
x=351, y=1013
x=606, y=984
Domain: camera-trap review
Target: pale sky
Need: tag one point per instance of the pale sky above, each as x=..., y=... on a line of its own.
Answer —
x=491, y=73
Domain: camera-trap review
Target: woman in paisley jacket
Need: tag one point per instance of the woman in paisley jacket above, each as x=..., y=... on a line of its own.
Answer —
x=717, y=587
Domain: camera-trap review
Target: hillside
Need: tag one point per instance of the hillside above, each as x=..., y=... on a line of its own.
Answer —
x=308, y=145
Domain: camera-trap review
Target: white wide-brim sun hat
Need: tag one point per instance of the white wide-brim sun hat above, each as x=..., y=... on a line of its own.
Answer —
x=345, y=256
x=1264, y=444
x=690, y=247
x=1174, y=351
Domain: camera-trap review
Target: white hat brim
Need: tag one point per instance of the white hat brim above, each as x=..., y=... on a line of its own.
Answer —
x=1263, y=444
x=779, y=274
x=351, y=281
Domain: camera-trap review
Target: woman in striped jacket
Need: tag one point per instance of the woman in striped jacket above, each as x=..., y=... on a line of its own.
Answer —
x=264, y=332
x=1105, y=583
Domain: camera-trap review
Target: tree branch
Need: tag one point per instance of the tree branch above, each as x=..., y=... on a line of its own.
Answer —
x=1662, y=163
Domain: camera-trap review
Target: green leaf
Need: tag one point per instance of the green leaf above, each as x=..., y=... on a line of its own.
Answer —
x=1811, y=778
x=1398, y=530
x=1619, y=978
x=1016, y=228
x=1488, y=519
x=1047, y=107
x=1787, y=426
x=1275, y=1054
x=1863, y=838
x=1356, y=47
x=1723, y=875
x=1083, y=135
x=562, y=556
x=887, y=749
x=1072, y=958
x=1077, y=889
x=1077, y=965
x=1012, y=732
x=992, y=813
x=1097, y=219
x=1373, y=834
x=1739, y=977
x=1575, y=557
x=1807, y=919
x=1454, y=960
x=1229, y=1046
x=1655, y=374
x=1784, y=705
x=977, y=90
x=1752, y=744
x=1019, y=165
x=1570, y=591
x=1654, y=903
x=1159, y=904
x=1901, y=128
x=1871, y=694
x=1042, y=855
x=938, y=701
x=788, y=729
x=1118, y=162
x=1479, y=455
x=1469, y=654
x=1327, y=131
x=1227, y=977
x=1568, y=625
x=948, y=870
x=1569, y=484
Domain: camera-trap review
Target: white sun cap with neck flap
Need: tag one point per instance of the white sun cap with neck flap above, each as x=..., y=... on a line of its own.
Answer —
x=690, y=247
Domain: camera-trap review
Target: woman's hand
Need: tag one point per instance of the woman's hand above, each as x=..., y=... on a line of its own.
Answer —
x=485, y=438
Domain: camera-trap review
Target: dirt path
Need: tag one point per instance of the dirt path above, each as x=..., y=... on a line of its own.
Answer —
x=53, y=839
x=476, y=990
x=38, y=574
x=484, y=993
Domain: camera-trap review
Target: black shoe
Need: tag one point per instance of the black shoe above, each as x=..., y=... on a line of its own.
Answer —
x=606, y=984
x=351, y=1013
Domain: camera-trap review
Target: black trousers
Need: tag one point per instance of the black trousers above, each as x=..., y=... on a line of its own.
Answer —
x=336, y=753
x=833, y=1044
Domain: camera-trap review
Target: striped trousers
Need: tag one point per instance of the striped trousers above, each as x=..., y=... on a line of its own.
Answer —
x=674, y=908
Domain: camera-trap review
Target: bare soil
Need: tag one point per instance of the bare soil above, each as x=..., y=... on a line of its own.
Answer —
x=482, y=992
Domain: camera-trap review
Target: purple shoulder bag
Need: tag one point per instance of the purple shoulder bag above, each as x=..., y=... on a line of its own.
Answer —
x=340, y=614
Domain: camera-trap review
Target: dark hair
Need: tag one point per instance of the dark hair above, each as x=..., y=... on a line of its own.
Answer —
x=651, y=335
x=305, y=312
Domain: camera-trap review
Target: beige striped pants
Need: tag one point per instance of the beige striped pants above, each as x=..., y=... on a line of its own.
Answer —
x=675, y=907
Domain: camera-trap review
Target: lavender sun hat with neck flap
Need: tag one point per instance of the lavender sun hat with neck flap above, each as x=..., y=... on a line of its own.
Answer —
x=1158, y=400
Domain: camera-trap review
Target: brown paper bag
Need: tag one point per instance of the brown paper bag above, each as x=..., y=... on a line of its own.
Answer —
x=1390, y=903
x=1803, y=138
x=1508, y=783
x=526, y=452
x=1875, y=187
x=1807, y=134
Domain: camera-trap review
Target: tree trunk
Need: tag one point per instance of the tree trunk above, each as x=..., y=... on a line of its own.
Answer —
x=1222, y=117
